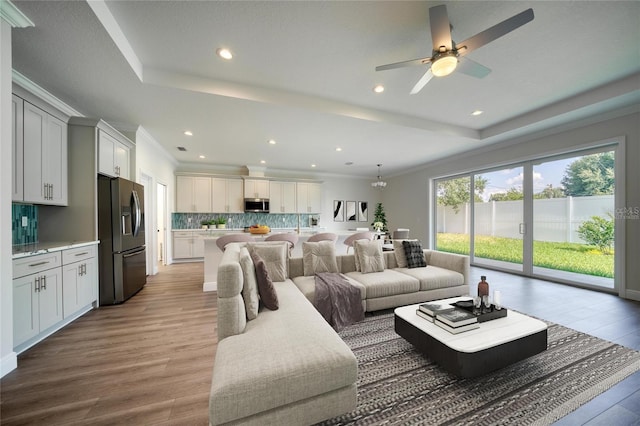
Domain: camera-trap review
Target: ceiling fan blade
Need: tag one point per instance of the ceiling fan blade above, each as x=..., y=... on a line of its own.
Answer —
x=410, y=63
x=440, y=27
x=422, y=82
x=495, y=32
x=472, y=68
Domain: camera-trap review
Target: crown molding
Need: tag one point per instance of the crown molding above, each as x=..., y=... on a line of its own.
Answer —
x=43, y=94
x=14, y=16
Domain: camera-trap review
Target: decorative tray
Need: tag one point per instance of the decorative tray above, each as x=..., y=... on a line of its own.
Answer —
x=489, y=315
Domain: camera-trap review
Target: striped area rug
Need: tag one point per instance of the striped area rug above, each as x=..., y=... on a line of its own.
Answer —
x=397, y=385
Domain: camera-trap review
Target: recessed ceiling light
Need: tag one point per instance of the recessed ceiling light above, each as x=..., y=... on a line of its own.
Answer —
x=202, y=156
x=271, y=142
x=338, y=149
x=379, y=88
x=262, y=162
x=188, y=132
x=313, y=165
x=477, y=112
x=224, y=53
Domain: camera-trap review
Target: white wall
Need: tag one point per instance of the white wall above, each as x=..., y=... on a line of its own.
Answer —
x=407, y=197
x=8, y=360
x=347, y=189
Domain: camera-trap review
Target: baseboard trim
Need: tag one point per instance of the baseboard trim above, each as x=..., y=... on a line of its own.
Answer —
x=210, y=286
x=633, y=295
x=8, y=363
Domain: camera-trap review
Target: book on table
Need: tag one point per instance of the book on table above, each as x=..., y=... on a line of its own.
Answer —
x=456, y=317
x=456, y=330
x=425, y=315
x=433, y=308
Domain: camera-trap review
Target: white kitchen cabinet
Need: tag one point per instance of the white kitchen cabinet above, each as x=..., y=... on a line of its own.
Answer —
x=113, y=156
x=79, y=279
x=45, y=157
x=37, y=296
x=256, y=188
x=228, y=196
x=188, y=245
x=309, y=197
x=193, y=194
x=17, y=141
x=282, y=197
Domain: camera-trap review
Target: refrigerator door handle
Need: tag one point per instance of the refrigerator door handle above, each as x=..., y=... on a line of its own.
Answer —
x=137, y=212
x=133, y=254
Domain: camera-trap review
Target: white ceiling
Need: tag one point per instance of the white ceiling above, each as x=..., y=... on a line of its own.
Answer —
x=303, y=74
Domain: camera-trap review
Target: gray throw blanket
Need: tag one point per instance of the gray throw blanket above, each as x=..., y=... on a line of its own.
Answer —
x=338, y=301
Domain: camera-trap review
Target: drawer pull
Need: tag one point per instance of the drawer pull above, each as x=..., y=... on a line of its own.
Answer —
x=38, y=264
x=82, y=254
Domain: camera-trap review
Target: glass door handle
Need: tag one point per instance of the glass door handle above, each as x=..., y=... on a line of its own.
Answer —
x=523, y=229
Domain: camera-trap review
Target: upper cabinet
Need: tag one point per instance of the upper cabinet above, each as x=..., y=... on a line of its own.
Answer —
x=227, y=196
x=282, y=197
x=193, y=194
x=44, y=162
x=113, y=156
x=309, y=197
x=256, y=188
x=17, y=146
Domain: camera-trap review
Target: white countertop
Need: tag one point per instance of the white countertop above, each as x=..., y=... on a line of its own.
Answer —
x=33, y=249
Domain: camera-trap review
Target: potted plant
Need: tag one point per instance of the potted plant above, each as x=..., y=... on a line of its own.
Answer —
x=379, y=219
x=204, y=224
x=222, y=223
x=212, y=224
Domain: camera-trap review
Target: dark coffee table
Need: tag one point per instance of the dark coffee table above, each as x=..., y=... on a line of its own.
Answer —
x=494, y=345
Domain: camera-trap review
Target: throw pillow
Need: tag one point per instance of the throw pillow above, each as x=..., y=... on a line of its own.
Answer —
x=369, y=255
x=275, y=255
x=250, y=287
x=319, y=257
x=398, y=251
x=415, y=255
x=268, y=294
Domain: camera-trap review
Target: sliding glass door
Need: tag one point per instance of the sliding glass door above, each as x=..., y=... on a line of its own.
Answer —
x=551, y=218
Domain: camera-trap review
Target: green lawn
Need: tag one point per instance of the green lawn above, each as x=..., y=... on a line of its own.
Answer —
x=570, y=257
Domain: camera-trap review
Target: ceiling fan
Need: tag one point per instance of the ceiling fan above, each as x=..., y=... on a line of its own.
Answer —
x=444, y=59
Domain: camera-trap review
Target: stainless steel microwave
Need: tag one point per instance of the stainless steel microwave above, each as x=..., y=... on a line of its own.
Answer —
x=256, y=205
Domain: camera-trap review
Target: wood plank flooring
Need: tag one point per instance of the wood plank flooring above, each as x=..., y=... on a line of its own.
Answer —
x=149, y=361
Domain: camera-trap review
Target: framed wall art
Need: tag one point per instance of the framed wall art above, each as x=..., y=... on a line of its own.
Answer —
x=363, y=212
x=338, y=211
x=351, y=211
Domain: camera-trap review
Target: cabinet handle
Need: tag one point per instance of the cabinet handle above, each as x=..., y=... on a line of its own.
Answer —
x=31, y=265
x=44, y=281
x=51, y=191
x=36, y=286
x=82, y=254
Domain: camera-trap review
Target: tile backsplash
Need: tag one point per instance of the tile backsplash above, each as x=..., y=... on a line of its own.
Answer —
x=241, y=220
x=24, y=223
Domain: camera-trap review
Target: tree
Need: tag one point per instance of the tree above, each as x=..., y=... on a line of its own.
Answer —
x=512, y=194
x=598, y=232
x=590, y=175
x=550, y=192
x=380, y=216
x=454, y=192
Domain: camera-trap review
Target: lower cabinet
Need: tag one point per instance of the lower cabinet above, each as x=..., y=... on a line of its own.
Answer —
x=49, y=289
x=187, y=245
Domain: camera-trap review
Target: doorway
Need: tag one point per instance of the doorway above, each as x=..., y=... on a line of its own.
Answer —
x=161, y=229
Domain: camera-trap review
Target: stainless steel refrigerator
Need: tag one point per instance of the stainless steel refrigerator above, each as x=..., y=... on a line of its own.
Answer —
x=122, y=254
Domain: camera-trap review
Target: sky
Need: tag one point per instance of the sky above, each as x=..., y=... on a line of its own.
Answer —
x=550, y=172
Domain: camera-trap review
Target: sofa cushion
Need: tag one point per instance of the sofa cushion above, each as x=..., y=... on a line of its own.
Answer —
x=307, y=285
x=369, y=255
x=434, y=277
x=414, y=254
x=283, y=357
x=398, y=251
x=275, y=255
x=250, y=287
x=268, y=294
x=386, y=283
x=319, y=257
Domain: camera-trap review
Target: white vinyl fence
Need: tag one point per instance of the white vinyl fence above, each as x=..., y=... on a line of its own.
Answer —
x=555, y=219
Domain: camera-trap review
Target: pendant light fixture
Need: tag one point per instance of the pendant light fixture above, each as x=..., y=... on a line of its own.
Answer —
x=379, y=184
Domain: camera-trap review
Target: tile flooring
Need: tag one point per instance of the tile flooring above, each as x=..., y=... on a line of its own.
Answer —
x=599, y=314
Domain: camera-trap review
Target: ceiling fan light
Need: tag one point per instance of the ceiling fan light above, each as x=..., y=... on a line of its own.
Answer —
x=444, y=65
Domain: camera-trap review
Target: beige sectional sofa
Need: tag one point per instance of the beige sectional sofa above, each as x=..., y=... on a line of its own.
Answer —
x=289, y=366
